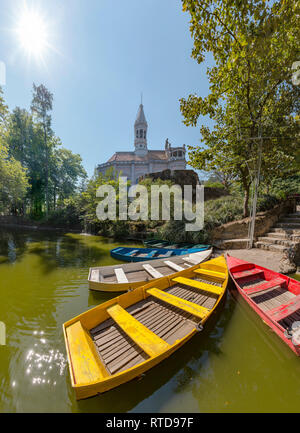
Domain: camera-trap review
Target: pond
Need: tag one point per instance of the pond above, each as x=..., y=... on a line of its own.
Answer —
x=235, y=365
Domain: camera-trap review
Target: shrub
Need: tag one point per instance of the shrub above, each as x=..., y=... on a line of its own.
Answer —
x=282, y=188
x=216, y=212
x=266, y=202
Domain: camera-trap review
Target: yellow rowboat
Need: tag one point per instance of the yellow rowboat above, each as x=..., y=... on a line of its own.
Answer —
x=124, y=277
x=122, y=338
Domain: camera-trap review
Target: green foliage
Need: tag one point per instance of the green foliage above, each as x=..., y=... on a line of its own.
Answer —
x=41, y=106
x=13, y=181
x=148, y=183
x=212, y=184
x=282, y=188
x=53, y=172
x=266, y=202
x=66, y=169
x=67, y=215
x=88, y=204
x=216, y=212
x=13, y=178
x=254, y=44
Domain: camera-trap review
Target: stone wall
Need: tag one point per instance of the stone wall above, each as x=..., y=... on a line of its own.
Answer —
x=264, y=221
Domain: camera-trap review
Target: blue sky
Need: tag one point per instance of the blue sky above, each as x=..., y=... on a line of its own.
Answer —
x=102, y=55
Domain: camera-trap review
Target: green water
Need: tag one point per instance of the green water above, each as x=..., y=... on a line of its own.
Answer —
x=235, y=365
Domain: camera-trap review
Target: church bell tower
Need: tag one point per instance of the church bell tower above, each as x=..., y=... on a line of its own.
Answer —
x=140, y=132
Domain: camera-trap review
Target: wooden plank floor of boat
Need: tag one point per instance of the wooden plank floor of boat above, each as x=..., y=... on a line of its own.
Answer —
x=119, y=352
x=143, y=275
x=272, y=298
x=269, y=298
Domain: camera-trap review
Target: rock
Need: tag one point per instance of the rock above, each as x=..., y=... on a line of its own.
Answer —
x=290, y=260
x=286, y=267
x=187, y=177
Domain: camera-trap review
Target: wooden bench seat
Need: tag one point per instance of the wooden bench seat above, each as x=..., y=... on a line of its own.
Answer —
x=199, y=285
x=210, y=273
x=153, y=272
x=151, y=254
x=283, y=311
x=140, y=334
x=130, y=253
x=121, y=276
x=174, y=266
x=275, y=282
x=86, y=363
x=184, y=305
x=248, y=273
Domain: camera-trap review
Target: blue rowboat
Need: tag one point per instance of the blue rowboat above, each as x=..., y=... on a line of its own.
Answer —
x=145, y=254
x=159, y=243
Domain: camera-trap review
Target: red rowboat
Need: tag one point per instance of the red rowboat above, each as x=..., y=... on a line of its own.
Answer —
x=275, y=298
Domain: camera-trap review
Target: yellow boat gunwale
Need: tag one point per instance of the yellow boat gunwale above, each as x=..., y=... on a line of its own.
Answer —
x=88, y=389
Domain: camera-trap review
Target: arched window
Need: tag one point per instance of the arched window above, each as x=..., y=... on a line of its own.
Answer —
x=144, y=134
x=141, y=133
x=137, y=133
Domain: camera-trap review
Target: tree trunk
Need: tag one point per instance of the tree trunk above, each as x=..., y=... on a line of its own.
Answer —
x=54, y=197
x=246, y=201
x=47, y=172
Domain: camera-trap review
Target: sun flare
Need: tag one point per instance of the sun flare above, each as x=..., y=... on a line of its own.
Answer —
x=32, y=33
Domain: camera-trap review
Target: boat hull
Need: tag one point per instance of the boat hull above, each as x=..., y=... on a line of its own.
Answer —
x=274, y=325
x=159, y=243
x=143, y=254
x=114, y=287
x=88, y=375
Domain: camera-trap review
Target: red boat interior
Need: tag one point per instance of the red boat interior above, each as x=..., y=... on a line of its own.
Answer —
x=277, y=295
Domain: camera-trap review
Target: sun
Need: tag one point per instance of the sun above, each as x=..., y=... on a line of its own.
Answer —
x=32, y=34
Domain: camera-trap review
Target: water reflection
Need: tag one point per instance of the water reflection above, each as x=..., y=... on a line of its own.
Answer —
x=53, y=248
x=11, y=246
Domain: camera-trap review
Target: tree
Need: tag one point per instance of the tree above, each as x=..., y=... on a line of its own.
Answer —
x=13, y=181
x=66, y=172
x=41, y=106
x=88, y=204
x=254, y=44
x=20, y=132
x=222, y=177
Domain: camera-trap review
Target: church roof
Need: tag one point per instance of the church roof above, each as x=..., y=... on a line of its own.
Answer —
x=140, y=118
x=132, y=156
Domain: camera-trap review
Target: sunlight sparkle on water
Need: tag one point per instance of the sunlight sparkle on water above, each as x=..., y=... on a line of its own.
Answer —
x=44, y=366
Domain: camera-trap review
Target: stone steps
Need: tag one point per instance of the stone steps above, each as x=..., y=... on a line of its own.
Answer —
x=289, y=220
x=285, y=231
x=271, y=247
x=293, y=215
x=283, y=236
x=293, y=226
x=278, y=235
x=274, y=241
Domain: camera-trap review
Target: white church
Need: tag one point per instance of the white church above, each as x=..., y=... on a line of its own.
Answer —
x=142, y=161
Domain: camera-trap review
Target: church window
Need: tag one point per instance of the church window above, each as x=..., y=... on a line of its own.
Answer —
x=137, y=133
x=141, y=133
x=144, y=134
